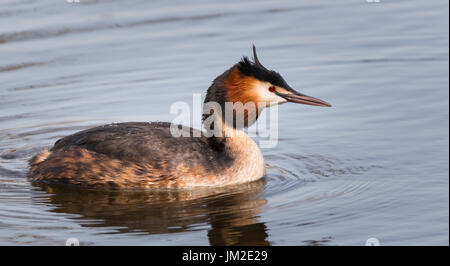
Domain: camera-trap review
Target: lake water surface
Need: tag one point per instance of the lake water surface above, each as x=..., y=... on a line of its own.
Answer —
x=376, y=164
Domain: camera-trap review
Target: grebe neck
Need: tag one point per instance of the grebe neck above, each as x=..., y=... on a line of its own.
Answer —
x=248, y=161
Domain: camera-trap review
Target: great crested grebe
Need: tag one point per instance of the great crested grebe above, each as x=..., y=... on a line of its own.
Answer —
x=140, y=155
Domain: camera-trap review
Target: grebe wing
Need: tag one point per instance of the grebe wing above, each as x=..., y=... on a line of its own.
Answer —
x=136, y=141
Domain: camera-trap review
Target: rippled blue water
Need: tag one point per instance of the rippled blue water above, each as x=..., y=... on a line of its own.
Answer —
x=374, y=165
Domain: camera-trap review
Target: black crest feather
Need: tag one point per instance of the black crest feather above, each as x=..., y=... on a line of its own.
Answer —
x=257, y=70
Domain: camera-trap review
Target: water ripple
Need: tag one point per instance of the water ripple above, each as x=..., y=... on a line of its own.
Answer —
x=57, y=32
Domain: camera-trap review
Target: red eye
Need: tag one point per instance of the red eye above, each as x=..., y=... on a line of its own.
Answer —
x=272, y=89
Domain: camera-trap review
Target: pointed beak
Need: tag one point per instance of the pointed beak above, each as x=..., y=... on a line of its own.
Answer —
x=297, y=97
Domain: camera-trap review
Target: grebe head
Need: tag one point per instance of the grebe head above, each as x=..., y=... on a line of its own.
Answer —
x=251, y=82
x=264, y=85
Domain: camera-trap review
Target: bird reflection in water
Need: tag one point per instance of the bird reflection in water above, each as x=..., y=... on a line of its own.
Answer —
x=231, y=211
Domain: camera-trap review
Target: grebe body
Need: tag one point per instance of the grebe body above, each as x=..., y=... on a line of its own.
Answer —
x=140, y=155
x=146, y=155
